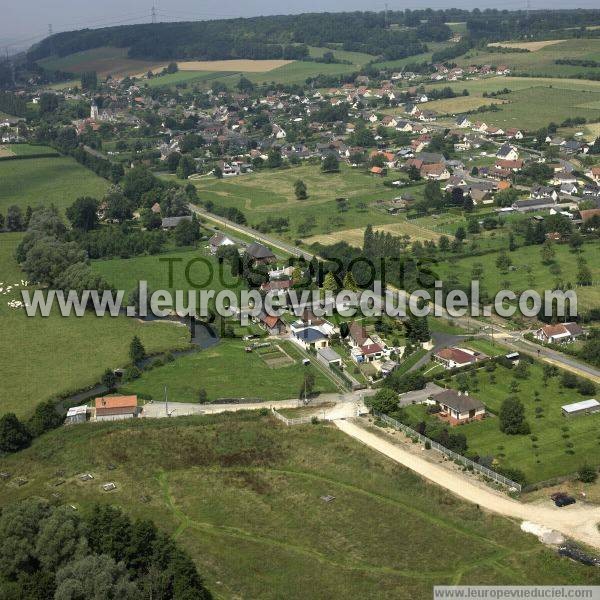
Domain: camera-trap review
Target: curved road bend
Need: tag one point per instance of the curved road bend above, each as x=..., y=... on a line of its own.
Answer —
x=578, y=522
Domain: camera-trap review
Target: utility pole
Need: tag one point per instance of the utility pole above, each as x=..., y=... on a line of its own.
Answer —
x=153, y=14
x=386, y=21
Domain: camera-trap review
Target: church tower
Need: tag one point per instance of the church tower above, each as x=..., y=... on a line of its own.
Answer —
x=94, y=111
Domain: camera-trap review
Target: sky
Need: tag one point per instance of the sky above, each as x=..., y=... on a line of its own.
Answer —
x=26, y=21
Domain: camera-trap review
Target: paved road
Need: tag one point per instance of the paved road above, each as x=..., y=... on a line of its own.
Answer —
x=261, y=237
x=578, y=521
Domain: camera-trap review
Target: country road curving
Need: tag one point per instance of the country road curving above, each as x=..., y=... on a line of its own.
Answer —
x=579, y=522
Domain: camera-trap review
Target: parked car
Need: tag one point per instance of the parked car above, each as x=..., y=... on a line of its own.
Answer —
x=561, y=499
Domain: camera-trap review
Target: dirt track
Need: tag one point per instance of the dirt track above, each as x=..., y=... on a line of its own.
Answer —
x=578, y=521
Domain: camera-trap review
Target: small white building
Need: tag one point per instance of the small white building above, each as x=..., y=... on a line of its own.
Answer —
x=577, y=408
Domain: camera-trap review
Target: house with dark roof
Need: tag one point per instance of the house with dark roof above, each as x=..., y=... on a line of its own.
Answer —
x=172, y=222
x=310, y=337
x=458, y=407
x=260, y=254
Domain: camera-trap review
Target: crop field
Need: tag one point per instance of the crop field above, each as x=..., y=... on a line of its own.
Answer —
x=44, y=181
x=271, y=193
x=529, y=271
x=556, y=446
x=242, y=493
x=26, y=149
x=541, y=62
x=105, y=61
x=532, y=102
x=531, y=46
x=354, y=237
x=43, y=357
x=461, y=104
x=227, y=371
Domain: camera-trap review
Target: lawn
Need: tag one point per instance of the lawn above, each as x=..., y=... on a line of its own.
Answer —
x=44, y=357
x=271, y=193
x=44, y=181
x=547, y=456
x=241, y=492
x=529, y=271
x=227, y=371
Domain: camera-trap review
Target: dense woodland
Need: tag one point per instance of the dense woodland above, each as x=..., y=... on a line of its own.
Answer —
x=396, y=35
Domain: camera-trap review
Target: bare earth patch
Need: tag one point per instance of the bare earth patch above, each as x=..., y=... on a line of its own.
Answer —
x=354, y=237
x=247, y=66
x=5, y=151
x=531, y=46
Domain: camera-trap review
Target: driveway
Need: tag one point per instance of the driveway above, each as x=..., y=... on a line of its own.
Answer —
x=419, y=396
x=579, y=522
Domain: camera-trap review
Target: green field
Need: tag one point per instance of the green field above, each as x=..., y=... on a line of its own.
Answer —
x=530, y=272
x=241, y=493
x=28, y=149
x=184, y=77
x=271, y=193
x=42, y=357
x=545, y=457
x=540, y=62
x=203, y=271
x=45, y=181
x=227, y=371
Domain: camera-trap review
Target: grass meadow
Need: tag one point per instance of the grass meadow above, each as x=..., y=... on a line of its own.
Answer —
x=241, y=493
x=45, y=181
x=43, y=357
x=227, y=371
x=271, y=193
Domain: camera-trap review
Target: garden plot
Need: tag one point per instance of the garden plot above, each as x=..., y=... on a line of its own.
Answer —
x=275, y=357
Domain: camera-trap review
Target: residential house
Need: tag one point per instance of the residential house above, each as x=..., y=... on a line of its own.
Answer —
x=507, y=152
x=172, y=222
x=453, y=358
x=436, y=171
x=218, y=240
x=560, y=333
x=457, y=407
x=310, y=337
x=260, y=254
x=272, y=324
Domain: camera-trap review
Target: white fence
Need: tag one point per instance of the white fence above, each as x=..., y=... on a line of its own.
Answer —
x=297, y=421
x=467, y=462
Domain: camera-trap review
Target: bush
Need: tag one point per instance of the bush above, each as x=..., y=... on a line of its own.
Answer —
x=587, y=474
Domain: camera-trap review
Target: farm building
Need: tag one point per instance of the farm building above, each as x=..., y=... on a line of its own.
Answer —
x=115, y=408
x=76, y=414
x=578, y=408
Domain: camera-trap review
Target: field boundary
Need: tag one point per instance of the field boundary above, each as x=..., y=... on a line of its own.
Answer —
x=467, y=462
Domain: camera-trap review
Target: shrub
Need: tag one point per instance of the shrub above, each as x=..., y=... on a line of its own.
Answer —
x=587, y=473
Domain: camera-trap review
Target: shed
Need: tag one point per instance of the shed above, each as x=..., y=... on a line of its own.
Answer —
x=583, y=407
x=76, y=414
x=329, y=356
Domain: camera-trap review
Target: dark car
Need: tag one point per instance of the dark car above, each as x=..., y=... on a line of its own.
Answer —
x=564, y=501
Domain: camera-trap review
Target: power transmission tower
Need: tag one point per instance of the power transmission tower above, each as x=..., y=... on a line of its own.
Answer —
x=50, y=32
x=153, y=14
x=387, y=24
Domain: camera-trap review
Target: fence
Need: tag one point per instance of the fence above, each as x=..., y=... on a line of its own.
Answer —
x=288, y=422
x=467, y=462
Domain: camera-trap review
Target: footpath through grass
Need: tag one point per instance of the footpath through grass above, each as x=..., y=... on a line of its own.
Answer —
x=242, y=493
